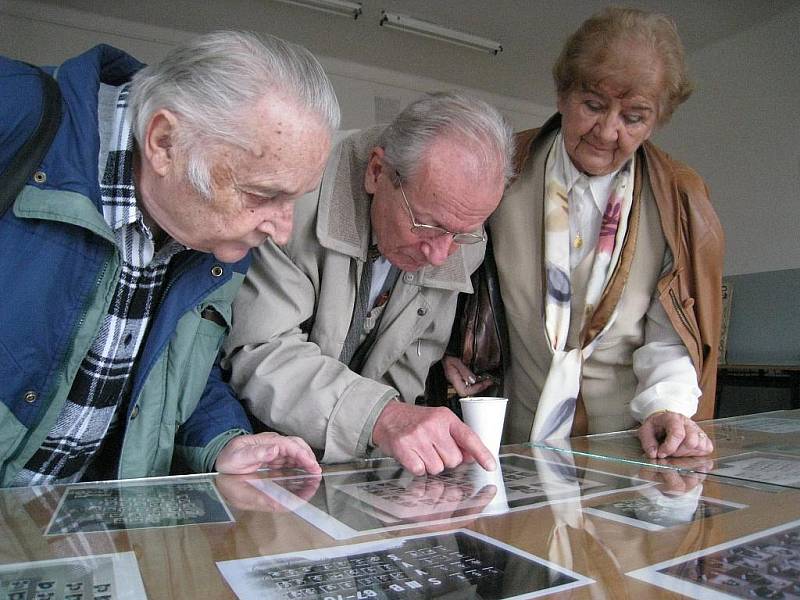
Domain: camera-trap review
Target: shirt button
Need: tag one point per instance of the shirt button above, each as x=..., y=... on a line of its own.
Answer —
x=135, y=412
x=408, y=277
x=40, y=176
x=30, y=396
x=216, y=271
x=422, y=312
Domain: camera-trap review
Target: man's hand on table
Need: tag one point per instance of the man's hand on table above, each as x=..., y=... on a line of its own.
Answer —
x=239, y=494
x=428, y=440
x=248, y=453
x=679, y=434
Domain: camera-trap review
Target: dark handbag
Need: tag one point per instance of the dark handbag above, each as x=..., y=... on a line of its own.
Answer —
x=29, y=157
x=479, y=337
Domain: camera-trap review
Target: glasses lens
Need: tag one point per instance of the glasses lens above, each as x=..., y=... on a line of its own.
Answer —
x=427, y=232
x=469, y=238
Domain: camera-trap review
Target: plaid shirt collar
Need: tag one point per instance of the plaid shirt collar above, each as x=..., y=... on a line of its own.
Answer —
x=118, y=193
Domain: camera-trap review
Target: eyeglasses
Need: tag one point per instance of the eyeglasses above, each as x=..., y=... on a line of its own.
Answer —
x=433, y=231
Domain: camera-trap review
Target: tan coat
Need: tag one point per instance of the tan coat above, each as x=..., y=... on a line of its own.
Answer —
x=292, y=314
x=675, y=211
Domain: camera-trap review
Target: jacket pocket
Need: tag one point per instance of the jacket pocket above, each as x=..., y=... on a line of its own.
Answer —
x=196, y=353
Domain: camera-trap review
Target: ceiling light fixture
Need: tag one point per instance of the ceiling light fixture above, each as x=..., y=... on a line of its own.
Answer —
x=337, y=7
x=437, y=32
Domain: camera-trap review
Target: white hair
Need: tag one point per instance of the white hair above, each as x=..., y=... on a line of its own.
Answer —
x=213, y=81
x=406, y=139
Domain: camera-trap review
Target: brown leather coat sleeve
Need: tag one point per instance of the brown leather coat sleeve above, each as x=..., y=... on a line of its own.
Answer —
x=691, y=294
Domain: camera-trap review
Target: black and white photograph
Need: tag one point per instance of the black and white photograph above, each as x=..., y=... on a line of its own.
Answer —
x=765, y=424
x=763, y=467
x=352, y=503
x=762, y=565
x=455, y=564
x=662, y=511
x=107, y=576
x=138, y=505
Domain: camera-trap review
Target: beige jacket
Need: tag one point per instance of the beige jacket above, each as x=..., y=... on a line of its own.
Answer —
x=676, y=212
x=292, y=314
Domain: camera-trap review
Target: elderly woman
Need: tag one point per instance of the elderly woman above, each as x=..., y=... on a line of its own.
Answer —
x=609, y=253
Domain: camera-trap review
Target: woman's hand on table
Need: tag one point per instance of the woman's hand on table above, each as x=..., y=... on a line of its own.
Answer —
x=666, y=433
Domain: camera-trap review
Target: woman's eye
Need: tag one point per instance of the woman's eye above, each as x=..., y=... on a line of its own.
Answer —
x=594, y=106
x=633, y=119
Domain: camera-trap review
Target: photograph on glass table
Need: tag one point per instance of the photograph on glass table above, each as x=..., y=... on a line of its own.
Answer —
x=454, y=564
x=352, y=503
x=109, y=576
x=762, y=565
x=654, y=510
x=138, y=505
x=765, y=424
x=761, y=467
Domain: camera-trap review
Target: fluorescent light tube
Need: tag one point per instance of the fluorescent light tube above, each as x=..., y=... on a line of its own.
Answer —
x=437, y=32
x=337, y=7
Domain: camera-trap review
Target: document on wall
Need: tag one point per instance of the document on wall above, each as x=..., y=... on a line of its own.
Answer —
x=454, y=564
x=107, y=576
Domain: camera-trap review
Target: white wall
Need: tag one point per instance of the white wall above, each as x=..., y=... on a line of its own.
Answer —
x=47, y=34
x=741, y=131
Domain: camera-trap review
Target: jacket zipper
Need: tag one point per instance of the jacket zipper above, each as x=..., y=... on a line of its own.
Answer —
x=679, y=309
x=79, y=326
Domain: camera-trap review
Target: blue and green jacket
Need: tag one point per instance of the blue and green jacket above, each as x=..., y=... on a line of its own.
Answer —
x=58, y=269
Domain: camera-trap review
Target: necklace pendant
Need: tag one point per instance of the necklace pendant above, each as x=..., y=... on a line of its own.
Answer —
x=578, y=241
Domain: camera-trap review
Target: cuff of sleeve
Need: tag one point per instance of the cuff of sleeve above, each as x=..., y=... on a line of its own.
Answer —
x=662, y=397
x=365, y=443
x=350, y=425
x=207, y=457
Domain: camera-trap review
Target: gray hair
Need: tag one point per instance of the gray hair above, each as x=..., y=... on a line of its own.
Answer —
x=213, y=80
x=456, y=114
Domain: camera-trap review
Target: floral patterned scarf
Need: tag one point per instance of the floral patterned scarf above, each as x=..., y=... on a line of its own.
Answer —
x=556, y=409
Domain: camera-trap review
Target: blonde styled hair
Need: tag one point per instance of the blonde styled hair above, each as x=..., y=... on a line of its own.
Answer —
x=595, y=50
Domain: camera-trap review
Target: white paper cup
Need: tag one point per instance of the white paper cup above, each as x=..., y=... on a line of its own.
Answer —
x=485, y=416
x=481, y=478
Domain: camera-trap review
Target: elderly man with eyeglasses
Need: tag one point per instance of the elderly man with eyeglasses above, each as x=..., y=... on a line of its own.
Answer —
x=334, y=332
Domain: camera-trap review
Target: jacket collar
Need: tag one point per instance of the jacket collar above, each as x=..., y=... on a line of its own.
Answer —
x=343, y=215
x=657, y=165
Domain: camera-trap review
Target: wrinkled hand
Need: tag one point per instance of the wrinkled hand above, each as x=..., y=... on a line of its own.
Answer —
x=248, y=453
x=464, y=381
x=428, y=440
x=693, y=473
x=681, y=436
x=243, y=496
x=446, y=499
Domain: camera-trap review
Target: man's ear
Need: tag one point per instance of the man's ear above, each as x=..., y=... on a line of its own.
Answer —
x=160, y=141
x=375, y=167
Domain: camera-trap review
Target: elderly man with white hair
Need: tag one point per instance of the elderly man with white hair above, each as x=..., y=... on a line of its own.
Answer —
x=123, y=249
x=334, y=333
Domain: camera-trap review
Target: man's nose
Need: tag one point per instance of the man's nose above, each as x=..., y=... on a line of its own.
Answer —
x=437, y=250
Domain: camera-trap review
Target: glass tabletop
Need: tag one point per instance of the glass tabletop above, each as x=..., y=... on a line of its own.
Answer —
x=760, y=448
x=546, y=524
